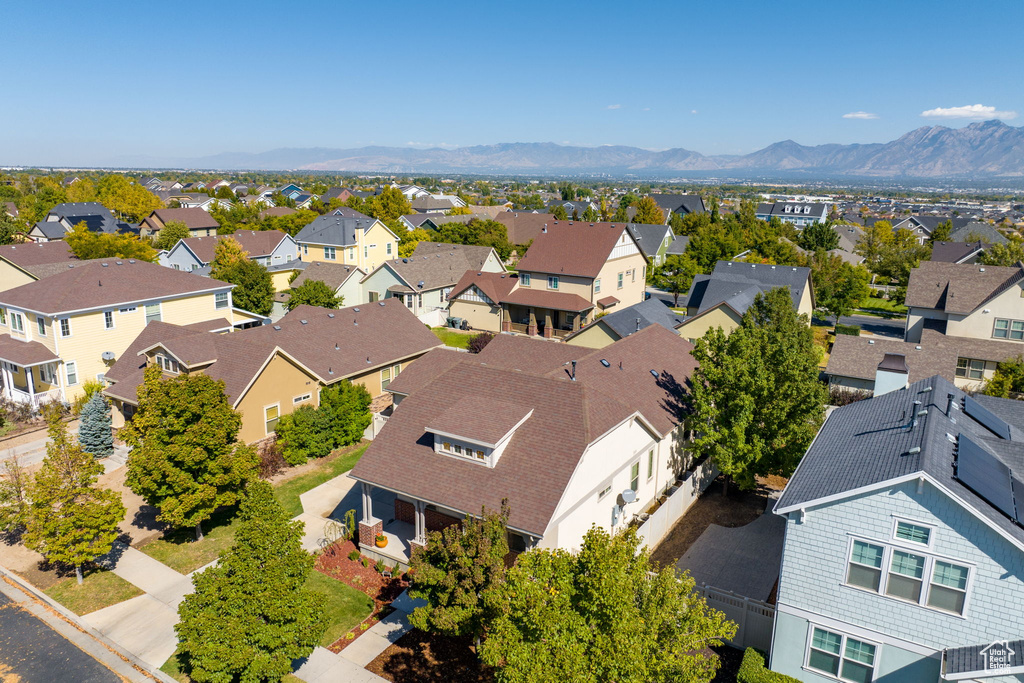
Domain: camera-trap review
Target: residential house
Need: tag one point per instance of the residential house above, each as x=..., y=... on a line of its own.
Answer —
x=423, y=280
x=471, y=430
x=269, y=248
x=523, y=226
x=433, y=221
x=653, y=240
x=203, y=202
x=343, y=280
x=10, y=209
x=70, y=180
x=346, y=212
x=574, y=210
x=678, y=246
x=411, y=192
x=800, y=214
x=721, y=298
x=69, y=327
x=291, y=191
x=199, y=222
x=362, y=242
x=570, y=270
x=977, y=230
x=681, y=204
x=270, y=371
x=957, y=252
x=21, y=264
x=623, y=322
x=276, y=211
x=923, y=226
x=64, y=217
x=962, y=300
x=431, y=204
x=342, y=194
x=903, y=557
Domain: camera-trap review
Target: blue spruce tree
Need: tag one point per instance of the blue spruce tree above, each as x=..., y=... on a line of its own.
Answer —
x=95, y=434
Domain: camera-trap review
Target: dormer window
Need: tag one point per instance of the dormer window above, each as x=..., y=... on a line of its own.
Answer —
x=462, y=431
x=789, y=209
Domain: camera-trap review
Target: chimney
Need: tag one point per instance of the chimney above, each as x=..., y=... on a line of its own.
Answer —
x=892, y=374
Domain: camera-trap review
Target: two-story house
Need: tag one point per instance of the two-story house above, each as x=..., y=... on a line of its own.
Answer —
x=70, y=327
x=903, y=557
x=270, y=371
x=200, y=223
x=31, y=261
x=721, y=298
x=570, y=271
x=274, y=250
x=62, y=218
x=653, y=240
x=423, y=280
x=799, y=214
x=361, y=242
x=571, y=437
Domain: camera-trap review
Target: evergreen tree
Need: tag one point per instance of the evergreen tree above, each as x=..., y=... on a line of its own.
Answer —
x=70, y=520
x=455, y=570
x=559, y=213
x=252, y=615
x=95, y=433
x=590, y=215
x=186, y=458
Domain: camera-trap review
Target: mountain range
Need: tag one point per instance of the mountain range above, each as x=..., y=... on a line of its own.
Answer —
x=985, y=149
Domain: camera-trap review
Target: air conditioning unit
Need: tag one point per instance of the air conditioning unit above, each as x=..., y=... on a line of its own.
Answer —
x=108, y=355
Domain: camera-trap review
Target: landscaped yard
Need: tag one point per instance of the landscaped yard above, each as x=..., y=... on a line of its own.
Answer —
x=450, y=337
x=99, y=589
x=882, y=307
x=179, y=549
x=345, y=607
x=823, y=340
x=328, y=468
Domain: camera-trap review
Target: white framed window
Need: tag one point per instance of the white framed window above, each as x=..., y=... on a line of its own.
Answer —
x=71, y=372
x=108, y=320
x=271, y=416
x=1008, y=329
x=41, y=326
x=650, y=464
x=597, y=286
x=841, y=656
x=17, y=323
x=409, y=300
x=864, y=568
x=351, y=253
x=305, y=249
x=366, y=251
x=385, y=378
x=619, y=283
x=604, y=492
x=524, y=279
x=132, y=309
x=552, y=282
x=330, y=253
x=419, y=300
x=971, y=368
x=912, y=532
x=634, y=476
x=389, y=248
x=220, y=300
x=48, y=373
x=301, y=399
x=152, y=313
x=65, y=327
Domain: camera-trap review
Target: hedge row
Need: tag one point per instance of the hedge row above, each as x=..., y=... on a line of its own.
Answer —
x=852, y=330
x=752, y=670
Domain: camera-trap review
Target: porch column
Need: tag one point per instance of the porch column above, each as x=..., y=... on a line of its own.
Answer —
x=531, y=329
x=576, y=321
x=369, y=526
x=8, y=377
x=506, y=323
x=548, y=326
x=420, y=538
x=31, y=388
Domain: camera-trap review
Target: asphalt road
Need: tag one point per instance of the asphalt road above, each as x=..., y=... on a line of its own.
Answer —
x=32, y=652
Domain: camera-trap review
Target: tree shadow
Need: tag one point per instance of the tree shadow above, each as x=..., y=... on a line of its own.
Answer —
x=146, y=519
x=181, y=535
x=677, y=402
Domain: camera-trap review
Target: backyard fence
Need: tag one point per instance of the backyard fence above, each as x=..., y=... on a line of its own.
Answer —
x=657, y=526
x=754, y=619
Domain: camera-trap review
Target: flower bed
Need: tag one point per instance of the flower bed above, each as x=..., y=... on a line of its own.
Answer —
x=334, y=562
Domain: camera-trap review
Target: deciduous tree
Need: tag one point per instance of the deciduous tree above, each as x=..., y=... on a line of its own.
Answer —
x=226, y=253
x=1008, y=254
x=86, y=244
x=254, y=288
x=314, y=293
x=818, y=237
x=648, y=212
x=171, y=234
x=251, y=615
x=838, y=286
x=676, y=275
x=125, y=198
x=603, y=614
x=14, y=484
x=186, y=457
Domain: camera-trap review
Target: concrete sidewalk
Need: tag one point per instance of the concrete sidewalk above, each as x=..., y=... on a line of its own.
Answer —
x=151, y=576
x=323, y=666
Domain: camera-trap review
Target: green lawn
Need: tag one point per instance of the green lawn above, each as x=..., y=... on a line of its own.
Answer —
x=180, y=551
x=459, y=340
x=345, y=608
x=288, y=492
x=99, y=589
x=882, y=306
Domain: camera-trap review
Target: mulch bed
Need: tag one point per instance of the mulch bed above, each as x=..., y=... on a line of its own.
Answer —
x=334, y=562
x=419, y=657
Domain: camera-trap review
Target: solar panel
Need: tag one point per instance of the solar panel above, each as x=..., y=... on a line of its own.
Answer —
x=987, y=418
x=1018, y=496
x=985, y=475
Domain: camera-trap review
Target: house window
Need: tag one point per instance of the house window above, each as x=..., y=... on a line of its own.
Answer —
x=838, y=655
x=65, y=327
x=301, y=399
x=152, y=313
x=906, y=576
x=220, y=300
x=604, y=492
x=3, y=314
x=597, y=286
x=915, y=533
x=524, y=279
x=41, y=326
x=366, y=251
x=634, y=476
x=620, y=281
x=1008, y=329
x=108, y=320
x=865, y=568
x=17, y=324
x=650, y=464
x=47, y=374
x=271, y=415
x=389, y=248
x=385, y=378
x=127, y=310
x=552, y=282
x=479, y=455
x=71, y=371
x=409, y=300
x=971, y=368
x=330, y=253
x=948, y=588
x=351, y=253
x=374, y=296
x=419, y=300
x=305, y=249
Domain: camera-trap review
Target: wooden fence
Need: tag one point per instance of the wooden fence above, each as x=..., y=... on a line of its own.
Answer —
x=754, y=619
x=657, y=526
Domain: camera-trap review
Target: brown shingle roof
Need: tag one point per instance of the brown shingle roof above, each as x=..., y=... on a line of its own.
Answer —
x=437, y=265
x=530, y=355
x=254, y=242
x=106, y=282
x=958, y=288
x=276, y=211
x=571, y=248
x=195, y=218
x=37, y=253
x=334, y=275
x=502, y=288
x=495, y=286
x=523, y=226
x=427, y=368
x=25, y=354
x=486, y=422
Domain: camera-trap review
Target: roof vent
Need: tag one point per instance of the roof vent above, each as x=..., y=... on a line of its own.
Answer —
x=367, y=359
x=105, y=265
x=120, y=263
x=981, y=270
x=277, y=327
x=355, y=322
x=405, y=260
x=356, y=309
x=871, y=341
x=918, y=347
x=304, y=321
x=420, y=285
x=336, y=347
x=914, y=451
x=654, y=373
x=605, y=363
x=381, y=303
x=330, y=371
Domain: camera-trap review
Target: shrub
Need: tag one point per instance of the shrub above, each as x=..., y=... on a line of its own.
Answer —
x=838, y=396
x=354, y=555
x=379, y=566
x=89, y=387
x=479, y=341
x=350, y=525
x=341, y=419
x=271, y=458
x=366, y=562
x=301, y=434
x=753, y=670
x=14, y=411
x=852, y=330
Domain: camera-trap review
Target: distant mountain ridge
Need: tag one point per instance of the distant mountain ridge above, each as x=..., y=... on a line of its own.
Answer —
x=983, y=149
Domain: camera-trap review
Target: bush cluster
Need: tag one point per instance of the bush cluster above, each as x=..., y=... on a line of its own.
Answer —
x=341, y=419
x=753, y=670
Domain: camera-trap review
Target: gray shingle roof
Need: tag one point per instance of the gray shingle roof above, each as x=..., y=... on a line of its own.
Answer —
x=984, y=231
x=654, y=311
x=868, y=443
x=955, y=252
x=336, y=231
x=737, y=284
x=680, y=203
x=649, y=237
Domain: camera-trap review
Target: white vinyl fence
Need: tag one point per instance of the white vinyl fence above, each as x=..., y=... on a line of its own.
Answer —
x=657, y=526
x=754, y=619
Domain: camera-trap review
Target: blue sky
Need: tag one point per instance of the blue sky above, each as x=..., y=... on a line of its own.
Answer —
x=87, y=83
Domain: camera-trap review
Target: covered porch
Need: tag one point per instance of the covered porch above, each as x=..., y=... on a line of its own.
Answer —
x=543, y=322
x=29, y=372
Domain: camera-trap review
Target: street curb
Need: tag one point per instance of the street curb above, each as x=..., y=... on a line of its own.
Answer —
x=75, y=621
